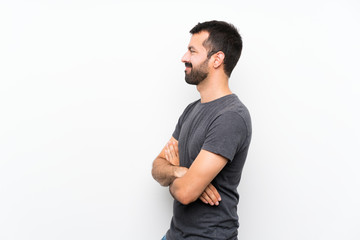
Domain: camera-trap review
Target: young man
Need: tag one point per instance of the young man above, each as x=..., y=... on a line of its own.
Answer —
x=203, y=161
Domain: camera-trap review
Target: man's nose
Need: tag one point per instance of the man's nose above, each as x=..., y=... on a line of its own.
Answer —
x=186, y=57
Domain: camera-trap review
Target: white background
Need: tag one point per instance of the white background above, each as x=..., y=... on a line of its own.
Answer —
x=90, y=91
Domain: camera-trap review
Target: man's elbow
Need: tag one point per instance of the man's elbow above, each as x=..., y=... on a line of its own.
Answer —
x=186, y=201
x=162, y=181
x=185, y=196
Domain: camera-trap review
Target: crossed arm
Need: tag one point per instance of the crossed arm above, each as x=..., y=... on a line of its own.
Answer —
x=187, y=185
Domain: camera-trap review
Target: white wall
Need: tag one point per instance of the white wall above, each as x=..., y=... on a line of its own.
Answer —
x=90, y=91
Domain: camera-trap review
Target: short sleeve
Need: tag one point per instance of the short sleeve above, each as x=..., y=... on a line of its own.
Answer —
x=176, y=132
x=226, y=135
x=188, y=109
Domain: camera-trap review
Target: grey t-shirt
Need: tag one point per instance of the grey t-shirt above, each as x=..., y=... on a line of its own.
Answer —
x=222, y=126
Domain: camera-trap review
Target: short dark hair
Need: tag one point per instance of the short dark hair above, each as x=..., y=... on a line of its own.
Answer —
x=223, y=37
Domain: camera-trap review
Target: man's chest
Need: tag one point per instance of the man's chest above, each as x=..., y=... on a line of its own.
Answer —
x=192, y=137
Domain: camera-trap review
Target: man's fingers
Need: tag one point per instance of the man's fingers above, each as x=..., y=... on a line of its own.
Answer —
x=172, y=151
x=215, y=192
x=207, y=198
x=211, y=195
x=176, y=149
x=168, y=153
x=203, y=200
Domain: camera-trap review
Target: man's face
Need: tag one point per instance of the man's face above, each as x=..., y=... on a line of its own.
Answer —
x=196, y=60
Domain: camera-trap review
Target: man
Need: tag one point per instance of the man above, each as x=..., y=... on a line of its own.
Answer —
x=203, y=161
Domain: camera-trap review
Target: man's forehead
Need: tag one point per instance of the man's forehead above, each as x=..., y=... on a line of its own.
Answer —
x=197, y=39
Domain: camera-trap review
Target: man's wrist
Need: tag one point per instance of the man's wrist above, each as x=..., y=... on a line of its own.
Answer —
x=179, y=171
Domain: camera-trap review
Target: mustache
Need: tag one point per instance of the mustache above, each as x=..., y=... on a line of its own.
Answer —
x=188, y=65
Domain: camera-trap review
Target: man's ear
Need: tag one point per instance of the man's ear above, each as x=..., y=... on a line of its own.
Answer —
x=218, y=59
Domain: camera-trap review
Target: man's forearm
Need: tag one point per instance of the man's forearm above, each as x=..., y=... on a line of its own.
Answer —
x=165, y=173
x=183, y=191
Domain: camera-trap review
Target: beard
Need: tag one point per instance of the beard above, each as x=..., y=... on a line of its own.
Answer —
x=198, y=74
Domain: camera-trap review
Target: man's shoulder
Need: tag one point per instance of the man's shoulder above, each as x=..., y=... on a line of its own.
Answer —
x=191, y=106
x=234, y=106
x=234, y=112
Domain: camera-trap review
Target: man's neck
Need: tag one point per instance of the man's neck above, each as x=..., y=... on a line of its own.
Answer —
x=213, y=88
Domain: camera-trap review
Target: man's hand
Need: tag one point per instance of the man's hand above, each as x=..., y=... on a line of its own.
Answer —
x=163, y=169
x=210, y=194
x=172, y=153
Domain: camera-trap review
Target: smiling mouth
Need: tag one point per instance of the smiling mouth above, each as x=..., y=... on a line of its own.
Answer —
x=188, y=66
